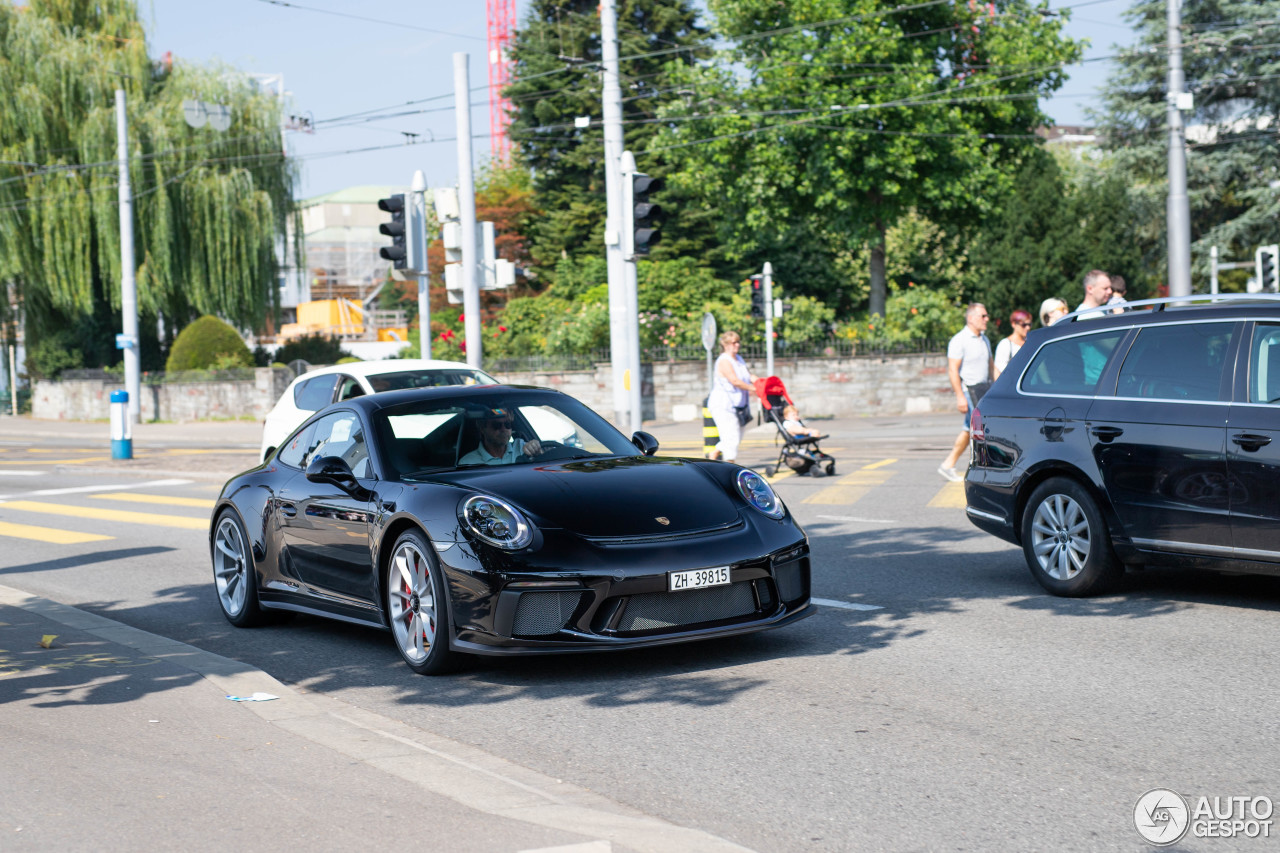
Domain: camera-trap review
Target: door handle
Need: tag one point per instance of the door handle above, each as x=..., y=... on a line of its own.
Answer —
x=1106, y=433
x=1250, y=441
x=288, y=510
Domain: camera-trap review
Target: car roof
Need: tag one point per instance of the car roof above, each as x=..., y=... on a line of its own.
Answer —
x=390, y=365
x=481, y=395
x=1201, y=308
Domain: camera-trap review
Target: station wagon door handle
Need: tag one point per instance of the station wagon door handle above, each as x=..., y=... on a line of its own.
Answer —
x=1106, y=433
x=1250, y=441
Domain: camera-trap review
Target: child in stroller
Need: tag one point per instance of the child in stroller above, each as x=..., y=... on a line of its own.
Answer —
x=799, y=451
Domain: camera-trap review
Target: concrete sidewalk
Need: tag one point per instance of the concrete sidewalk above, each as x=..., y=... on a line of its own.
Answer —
x=116, y=739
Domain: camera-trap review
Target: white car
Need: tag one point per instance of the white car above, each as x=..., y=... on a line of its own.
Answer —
x=312, y=391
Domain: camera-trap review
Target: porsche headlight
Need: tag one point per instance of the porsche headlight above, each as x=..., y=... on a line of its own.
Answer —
x=759, y=494
x=496, y=522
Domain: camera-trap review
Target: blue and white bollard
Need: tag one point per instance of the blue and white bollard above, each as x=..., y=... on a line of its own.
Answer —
x=121, y=429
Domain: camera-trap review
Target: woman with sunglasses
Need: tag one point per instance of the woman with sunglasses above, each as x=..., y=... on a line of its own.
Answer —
x=1008, y=348
x=496, y=446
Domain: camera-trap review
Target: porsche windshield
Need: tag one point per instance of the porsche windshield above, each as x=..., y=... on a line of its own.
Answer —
x=431, y=435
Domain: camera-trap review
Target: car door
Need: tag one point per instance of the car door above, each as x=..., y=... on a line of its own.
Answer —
x=1160, y=442
x=324, y=529
x=1253, y=447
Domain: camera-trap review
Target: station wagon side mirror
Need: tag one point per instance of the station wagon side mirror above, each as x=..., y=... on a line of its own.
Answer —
x=645, y=443
x=335, y=471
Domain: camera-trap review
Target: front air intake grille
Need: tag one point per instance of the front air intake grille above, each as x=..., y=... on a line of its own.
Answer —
x=792, y=579
x=673, y=609
x=541, y=613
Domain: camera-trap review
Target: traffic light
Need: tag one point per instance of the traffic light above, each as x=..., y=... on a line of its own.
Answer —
x=1265, y=263
x=397, y=252
x=757, y=296
x=644, y=212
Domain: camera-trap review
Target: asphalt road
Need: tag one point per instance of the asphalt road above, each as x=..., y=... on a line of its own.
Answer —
x=939, y=700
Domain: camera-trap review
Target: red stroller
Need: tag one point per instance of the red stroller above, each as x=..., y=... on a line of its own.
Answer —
x=800, y=453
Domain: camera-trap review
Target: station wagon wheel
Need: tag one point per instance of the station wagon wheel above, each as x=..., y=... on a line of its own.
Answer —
x=1065, y=540
x=233, y=573
x=416, y=607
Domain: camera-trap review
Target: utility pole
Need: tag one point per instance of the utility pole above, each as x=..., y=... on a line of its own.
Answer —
x=128, y=340
x=1179, y=213
x=768, y=318
x=611, y=109
x=1213, y=270
x=634, y=398
x=418, y=251
x=467, y=209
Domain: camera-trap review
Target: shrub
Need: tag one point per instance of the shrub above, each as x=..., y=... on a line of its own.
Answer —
x=53, y=354
x=313, y=349
x=208, y=342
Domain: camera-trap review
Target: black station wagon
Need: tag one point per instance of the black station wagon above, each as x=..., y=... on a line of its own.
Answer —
x=1147, y=437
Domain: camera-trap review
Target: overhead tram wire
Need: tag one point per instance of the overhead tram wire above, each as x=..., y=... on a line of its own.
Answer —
x=397, y=24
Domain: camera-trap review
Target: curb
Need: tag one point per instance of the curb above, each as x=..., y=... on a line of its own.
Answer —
x=469, y=776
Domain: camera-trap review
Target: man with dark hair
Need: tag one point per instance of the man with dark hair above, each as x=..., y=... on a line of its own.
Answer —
x=969, y=367
x=1117, y=293
x=1097, y=292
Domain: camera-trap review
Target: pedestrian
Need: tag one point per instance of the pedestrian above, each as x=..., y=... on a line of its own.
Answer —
x=1052, y=310
x=1117, y=294
x=969, y=366
x=1097, y=292
x=728, y=398
x=1008, y=347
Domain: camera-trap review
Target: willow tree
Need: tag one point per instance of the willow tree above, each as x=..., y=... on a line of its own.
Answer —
x=209, y=205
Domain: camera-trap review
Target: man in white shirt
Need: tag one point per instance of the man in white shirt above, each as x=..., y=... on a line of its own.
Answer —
x=497, y=447
x=969, y=367
x=1097, y=293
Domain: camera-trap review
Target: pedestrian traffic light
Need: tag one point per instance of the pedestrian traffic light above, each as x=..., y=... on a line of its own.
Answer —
x=644, y=213
x=1265, y=261
x=757, y=296
x=397, y=253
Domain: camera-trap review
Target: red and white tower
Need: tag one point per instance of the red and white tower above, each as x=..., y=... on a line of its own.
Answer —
x=502, y=23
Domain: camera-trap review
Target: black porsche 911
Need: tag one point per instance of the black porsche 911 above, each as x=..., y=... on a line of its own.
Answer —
x=501, y=520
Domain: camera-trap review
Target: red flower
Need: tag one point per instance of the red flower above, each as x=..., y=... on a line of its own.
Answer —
x=502, y=328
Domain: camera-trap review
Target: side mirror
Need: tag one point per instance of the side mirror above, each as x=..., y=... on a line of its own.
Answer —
x=336, y=471
x=645, y=443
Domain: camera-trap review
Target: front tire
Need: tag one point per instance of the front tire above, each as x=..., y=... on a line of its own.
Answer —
x=417, y=607
x=233, y=573
x=1066, y=542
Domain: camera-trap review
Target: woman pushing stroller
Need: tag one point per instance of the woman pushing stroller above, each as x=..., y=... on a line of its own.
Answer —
x=732, y=383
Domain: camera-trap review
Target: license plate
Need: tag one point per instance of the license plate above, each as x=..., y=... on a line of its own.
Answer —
x=697, y=579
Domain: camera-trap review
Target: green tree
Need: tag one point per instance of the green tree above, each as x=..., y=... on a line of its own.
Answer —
x=557, y=62
x=1233, y=155
x=208, y=205
x=837, y=117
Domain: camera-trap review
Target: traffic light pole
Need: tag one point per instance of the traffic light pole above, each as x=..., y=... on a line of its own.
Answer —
x=1178, y=213
x=611, y=110
x=467, y=209
x=418, y=252
x=768, y=318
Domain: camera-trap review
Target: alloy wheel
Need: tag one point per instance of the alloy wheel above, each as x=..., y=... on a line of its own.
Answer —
x=1060, y=537
x=412, y=602
x=230, y=566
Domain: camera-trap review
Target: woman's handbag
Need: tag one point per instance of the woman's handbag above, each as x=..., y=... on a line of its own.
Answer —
x=977, y=391
x=744, y=415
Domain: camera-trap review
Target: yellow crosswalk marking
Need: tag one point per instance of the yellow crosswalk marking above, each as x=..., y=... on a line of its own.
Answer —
x=851, y=488
x=171, y=500
x=48, y=534
x=882, y=463
x=951, y=495
x=60, y=461
x=109, y=514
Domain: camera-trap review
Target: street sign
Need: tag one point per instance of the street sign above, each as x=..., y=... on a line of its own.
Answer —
x=708, y=331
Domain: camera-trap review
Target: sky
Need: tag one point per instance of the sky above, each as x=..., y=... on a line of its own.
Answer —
x=341, y=57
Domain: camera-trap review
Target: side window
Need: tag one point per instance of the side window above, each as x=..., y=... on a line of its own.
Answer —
x=314, y=394
x=340, y=434
x=1264, y=365
x=1071, y=365
x=296, y=448
x=348, y=387
x=1177, y=362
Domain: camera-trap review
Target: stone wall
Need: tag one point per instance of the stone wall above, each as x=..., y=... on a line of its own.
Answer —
x=836, y=387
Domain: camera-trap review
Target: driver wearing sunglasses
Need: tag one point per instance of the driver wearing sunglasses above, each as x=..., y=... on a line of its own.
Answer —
x=497, y=446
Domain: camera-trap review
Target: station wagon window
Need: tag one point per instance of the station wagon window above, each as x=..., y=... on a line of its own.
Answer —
x=1264, y=365
x=1176, y=362
x=1071, y=365
x=314, y=394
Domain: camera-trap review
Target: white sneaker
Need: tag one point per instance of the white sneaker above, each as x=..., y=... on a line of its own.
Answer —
x=949, y=474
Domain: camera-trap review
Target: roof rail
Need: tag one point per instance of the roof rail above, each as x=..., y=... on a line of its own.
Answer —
x=1166, y=301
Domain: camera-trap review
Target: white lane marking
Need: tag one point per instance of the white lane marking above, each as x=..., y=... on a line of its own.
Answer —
x=4, y=473
x=859, y=519
x=845, y=605
x=106, y=488
x=586, y=847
